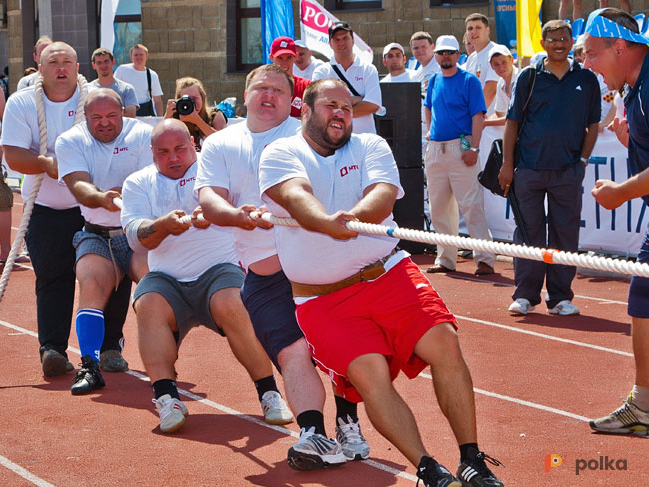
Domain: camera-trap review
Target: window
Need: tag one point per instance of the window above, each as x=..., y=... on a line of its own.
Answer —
x=352, y=4
x=244, y=35
x=128, y=29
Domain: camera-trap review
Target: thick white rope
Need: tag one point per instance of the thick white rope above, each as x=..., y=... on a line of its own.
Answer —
x=183, y=219
x=549, y=256
x=29, y=204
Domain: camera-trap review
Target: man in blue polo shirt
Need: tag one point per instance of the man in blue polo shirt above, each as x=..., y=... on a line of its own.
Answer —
x=558, y=134
x=454, y=112
x=614, y=48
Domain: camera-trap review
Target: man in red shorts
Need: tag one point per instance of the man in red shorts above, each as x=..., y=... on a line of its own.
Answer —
x=359, y=330
x=283, y=54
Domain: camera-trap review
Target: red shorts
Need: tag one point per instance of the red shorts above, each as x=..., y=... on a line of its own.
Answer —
x=386, y=316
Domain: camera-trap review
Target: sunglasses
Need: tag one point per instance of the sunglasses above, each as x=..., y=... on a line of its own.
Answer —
x=446, y=52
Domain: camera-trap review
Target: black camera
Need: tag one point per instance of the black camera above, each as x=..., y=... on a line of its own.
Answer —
x=184, y=106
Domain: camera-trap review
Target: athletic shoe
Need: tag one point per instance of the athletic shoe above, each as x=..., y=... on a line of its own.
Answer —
x=55, y=363
x=475, y=473
x=112, y=361
x=88, y=378
x=275, y=409
x=314, y=451
x=628, y=419
x=521, y=306
x=352, y=441
x=172, y=412
x=435, y=475
x=564, y=308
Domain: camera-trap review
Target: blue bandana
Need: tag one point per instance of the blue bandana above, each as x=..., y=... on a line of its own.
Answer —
x=598, y=26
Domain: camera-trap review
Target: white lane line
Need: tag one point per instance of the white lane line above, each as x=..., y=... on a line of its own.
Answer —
x=26, y=474
x=547, y=337
x=521, y=402
x=227, y=410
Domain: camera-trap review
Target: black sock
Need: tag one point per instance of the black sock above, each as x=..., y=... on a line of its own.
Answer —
x=312, y=418
x=264, y=385
x=466, y=453
x=165, y=386
x=344, y=407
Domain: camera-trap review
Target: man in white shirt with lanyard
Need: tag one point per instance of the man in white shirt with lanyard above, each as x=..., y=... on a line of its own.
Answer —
x=94, y=160
x=477, y=28
x=194, y=277
x=360, y=331
x=361, y=78
x=56, y=216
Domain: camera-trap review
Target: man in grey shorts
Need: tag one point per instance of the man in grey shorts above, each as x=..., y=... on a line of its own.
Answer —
x=94, y=159
x=195, y=278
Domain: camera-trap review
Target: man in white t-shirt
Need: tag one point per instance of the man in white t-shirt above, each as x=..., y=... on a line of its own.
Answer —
x=94, y=160
x=477, y=28
x=394, y=59
x=30, y=79
x=362, y=77
x=502, y=62
x=360, y=331
x=424, y=64
x=194, y=277
x=149, y=94
x=305, y=63
x=103, y=62
x=56, y=217
x=229, y=192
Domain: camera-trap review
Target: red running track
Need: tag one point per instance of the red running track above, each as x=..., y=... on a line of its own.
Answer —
x=537, y=379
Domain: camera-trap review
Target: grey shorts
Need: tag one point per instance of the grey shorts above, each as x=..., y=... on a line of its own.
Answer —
x=190, y=301
x=91, y=243
x=6, y=195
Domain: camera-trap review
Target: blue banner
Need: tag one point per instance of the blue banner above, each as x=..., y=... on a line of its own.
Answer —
x=506, y=22
x=276, y=21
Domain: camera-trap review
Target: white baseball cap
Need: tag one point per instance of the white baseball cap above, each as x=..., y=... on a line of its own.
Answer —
x=301, y=43
x=499, y=49
x=393, y=45
x=446, y=43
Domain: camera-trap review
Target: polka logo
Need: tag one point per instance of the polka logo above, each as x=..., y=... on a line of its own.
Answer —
x=552, y=460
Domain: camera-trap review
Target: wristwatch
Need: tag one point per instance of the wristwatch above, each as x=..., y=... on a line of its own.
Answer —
x=475, y=149
x=584, y=160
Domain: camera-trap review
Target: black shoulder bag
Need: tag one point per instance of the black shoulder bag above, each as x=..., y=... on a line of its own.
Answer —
x=488, y=177
x=146, y=108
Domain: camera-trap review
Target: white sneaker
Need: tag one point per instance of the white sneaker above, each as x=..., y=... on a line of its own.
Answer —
x=521, y=306
x=352, y=441
x=275, y=409
x=628, y=419
x=564, y=308
x=172, y=411
x=314, y=451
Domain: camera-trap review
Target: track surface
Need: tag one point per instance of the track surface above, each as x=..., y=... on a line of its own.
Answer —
x=537, y=379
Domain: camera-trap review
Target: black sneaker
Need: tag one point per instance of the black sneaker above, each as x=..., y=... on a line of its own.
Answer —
x=474, y=472
x=435, y=475
x=55, y=363
x=88, y=378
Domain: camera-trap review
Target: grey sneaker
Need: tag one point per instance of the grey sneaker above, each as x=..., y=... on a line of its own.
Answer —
x=352, y=441
x=314, y=451
x=564, y=308
x=112, y=361
x=172, y=412
x=275, y=409
x=55, y=363
x=521, y=306
x=628, y=419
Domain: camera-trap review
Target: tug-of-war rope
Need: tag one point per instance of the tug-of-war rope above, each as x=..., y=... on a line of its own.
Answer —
x=29, y=204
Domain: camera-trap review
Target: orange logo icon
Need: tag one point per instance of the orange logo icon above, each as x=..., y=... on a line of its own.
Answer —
x=552, y=460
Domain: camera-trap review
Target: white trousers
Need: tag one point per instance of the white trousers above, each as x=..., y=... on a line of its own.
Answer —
x=453, y=184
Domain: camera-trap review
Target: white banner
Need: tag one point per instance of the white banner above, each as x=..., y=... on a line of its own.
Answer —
x=107, y=34
x=314, y=29
x=619, y=231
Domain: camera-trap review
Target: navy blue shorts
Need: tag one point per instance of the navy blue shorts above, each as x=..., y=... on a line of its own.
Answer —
x=269, y=301
x=190, y=301
x=638, y=306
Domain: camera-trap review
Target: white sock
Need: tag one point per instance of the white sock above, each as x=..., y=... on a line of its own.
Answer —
x=641, y=397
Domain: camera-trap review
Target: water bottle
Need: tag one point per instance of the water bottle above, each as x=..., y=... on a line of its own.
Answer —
x=464, y=142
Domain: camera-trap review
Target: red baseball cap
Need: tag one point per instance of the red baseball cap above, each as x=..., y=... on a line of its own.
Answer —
x=283, y=45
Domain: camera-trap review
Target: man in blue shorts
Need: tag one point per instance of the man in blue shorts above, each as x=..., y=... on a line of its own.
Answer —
x=614, y=48
x=195, y=278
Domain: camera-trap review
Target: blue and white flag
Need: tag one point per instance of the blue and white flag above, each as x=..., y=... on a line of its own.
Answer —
x=276, y=21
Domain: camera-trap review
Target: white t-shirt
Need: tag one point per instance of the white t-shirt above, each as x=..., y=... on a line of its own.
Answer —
x=502, y=98
x=20, y=129
x=308, y=72
x=108, y=164
x=27, y=81
x=478, y=64
x=230, y=160
x=407, y=76
x=126, y=72
x=365, y=80
x=338, y=183
x=148, y=194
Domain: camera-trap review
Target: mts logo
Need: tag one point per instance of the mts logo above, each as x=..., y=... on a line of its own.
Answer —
x=117, y=150
x=183, y=182
x=345, y=170
x=72, y=113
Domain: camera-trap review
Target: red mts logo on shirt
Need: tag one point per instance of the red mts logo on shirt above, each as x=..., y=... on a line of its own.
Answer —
x=117, y=150
x=345, y=170
x=183, y=182
x=72, y=113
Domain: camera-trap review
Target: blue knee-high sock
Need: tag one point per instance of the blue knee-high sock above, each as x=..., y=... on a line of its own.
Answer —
x=90, y=332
